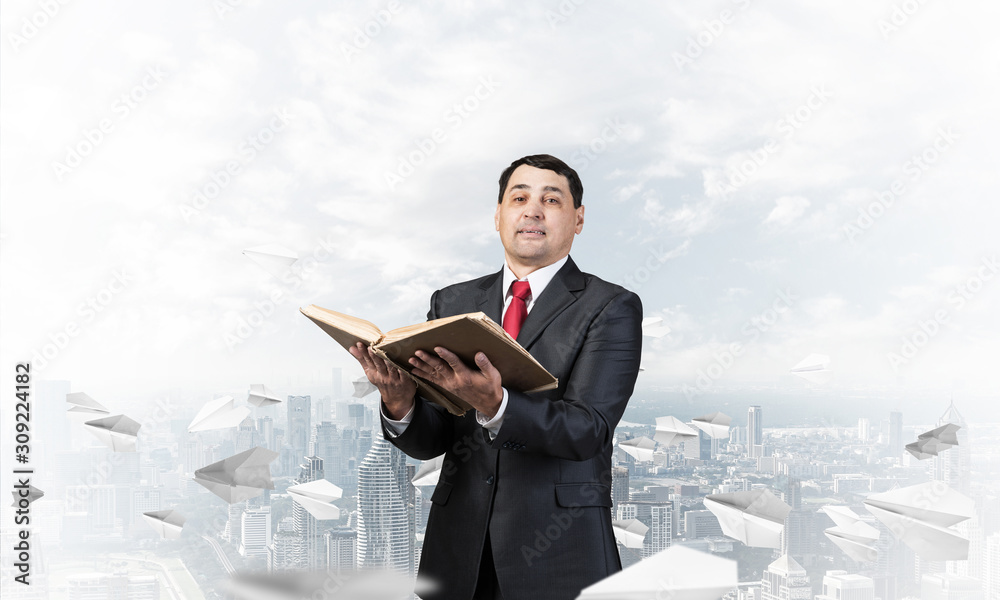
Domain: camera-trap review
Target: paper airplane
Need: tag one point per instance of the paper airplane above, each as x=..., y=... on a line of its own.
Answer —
x=671, y=431
x=82, y=404
x=930, y=443
x=677, y=573
x=716, y=424
x=273, y=258
x=428, y=472
x=240, y=477
x=856, y=540
x=218, y=414
x=640, y=448
x=814, y=368
x=363, y=387
x=755, y=518
x=316, y=497
x=630, y=532
x=654, y=327
x=167, y=523
x=260, y=395
x=118, y=432
x=33, y=494
x=920, y=516
x=841, y=515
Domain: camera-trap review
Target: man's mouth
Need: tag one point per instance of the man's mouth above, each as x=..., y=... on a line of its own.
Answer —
x=530, y=232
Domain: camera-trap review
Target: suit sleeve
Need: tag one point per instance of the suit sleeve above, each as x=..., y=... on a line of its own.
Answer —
x=581, y=424
x=431, y=430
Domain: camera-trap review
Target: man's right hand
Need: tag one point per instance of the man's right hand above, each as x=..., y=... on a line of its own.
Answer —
x=395, y=386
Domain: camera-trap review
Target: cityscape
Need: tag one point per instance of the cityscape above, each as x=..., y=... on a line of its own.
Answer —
x=91, y=540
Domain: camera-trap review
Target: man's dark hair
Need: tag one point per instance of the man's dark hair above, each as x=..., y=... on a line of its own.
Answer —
x=551, y=163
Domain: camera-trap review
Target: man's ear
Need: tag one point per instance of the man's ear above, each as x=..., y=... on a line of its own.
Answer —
x=579, y=219
x=496, y=217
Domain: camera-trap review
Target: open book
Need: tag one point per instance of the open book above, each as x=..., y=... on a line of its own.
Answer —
x=462, y=334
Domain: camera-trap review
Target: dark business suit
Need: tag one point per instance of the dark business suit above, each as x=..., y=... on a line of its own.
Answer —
x=542, y=486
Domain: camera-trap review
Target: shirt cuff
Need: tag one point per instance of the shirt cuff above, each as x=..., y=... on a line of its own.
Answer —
x=493, y=425
x=394, y=427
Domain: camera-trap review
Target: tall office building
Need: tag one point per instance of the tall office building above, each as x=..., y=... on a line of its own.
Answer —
x=952, y=467
x=356, y=416
x=755, y=432
x=864, y=430
x=247, y=436
x=341, y=550
x=283, y=552
x=255, y=531
x=701, y=524
x=785, y=579
x=298, y=427
x=991, y=568
x=699, y=448
x=311, y=549
x=895, y=434
x=265, y=427
x=383, y=521
x=839, y=585
x=328, y=446
x=658, y=516
x=619, y=486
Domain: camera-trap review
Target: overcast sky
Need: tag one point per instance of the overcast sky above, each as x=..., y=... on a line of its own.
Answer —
x=835, y=161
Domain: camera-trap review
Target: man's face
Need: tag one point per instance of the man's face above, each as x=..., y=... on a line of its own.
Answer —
x=536, y=219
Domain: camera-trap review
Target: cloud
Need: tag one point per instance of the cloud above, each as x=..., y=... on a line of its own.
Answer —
x=786, y=210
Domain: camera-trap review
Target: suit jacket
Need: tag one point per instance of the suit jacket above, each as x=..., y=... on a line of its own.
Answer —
x=543, y=486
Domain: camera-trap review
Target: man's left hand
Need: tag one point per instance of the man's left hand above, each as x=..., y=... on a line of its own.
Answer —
x=479, y=387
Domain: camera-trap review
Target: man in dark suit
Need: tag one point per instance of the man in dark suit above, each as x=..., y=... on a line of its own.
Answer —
x=521, y=511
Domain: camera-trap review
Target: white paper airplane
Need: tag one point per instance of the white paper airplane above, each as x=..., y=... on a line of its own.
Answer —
x=654, y=327
x=640, y=448
x=33, y=494
x=755, y=518
x=671, y=431
x=273, y=258
x=920, y=516
x=630, y=532
x=841, y=515
x=856, y=540
x=167, y=523
x=814, y=368
x=218, y=414
x=363, y=387
x=932, y=442
x=240, y=477
x=677, y=573
x=317, y=497
x=716, y=424
x=261, y=395
x=118, y=432
x=429, y=472
x=84, y=405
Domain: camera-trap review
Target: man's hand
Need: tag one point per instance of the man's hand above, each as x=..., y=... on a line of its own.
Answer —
x=479, y=387
x=395, y=386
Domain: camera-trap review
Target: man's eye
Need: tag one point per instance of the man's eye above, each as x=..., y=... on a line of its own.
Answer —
x=552, y=200
x=519, y=199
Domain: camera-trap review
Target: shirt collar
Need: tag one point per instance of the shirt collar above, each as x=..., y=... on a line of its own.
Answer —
x=537, y=279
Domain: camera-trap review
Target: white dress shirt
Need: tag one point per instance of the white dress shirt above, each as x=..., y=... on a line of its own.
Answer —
x=537, y=280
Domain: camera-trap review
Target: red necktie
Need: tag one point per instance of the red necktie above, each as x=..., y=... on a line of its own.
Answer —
x=518, y=309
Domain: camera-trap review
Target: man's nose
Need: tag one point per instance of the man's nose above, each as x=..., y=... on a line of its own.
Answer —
x=533, y=209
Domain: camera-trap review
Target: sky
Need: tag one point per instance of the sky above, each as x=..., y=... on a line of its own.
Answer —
x=775, y=179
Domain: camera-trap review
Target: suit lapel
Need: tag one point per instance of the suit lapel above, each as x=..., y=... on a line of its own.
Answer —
x=490, y=299
x=562, y=291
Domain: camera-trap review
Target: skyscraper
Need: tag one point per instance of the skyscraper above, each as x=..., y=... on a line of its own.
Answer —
x=310, y=555
x=255, y=531
x=298, y=427
x=755, y=432
x=327, y=446
x=952, y=466
x=895, y=434
x=839, y=585
x=383, y=524
x=699, y=448
x=785, y=579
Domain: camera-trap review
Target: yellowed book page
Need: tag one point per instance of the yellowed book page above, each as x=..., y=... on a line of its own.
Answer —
x=344, y=329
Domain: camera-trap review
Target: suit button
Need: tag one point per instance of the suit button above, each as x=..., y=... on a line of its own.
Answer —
x=489, y=480
x=506, y=444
